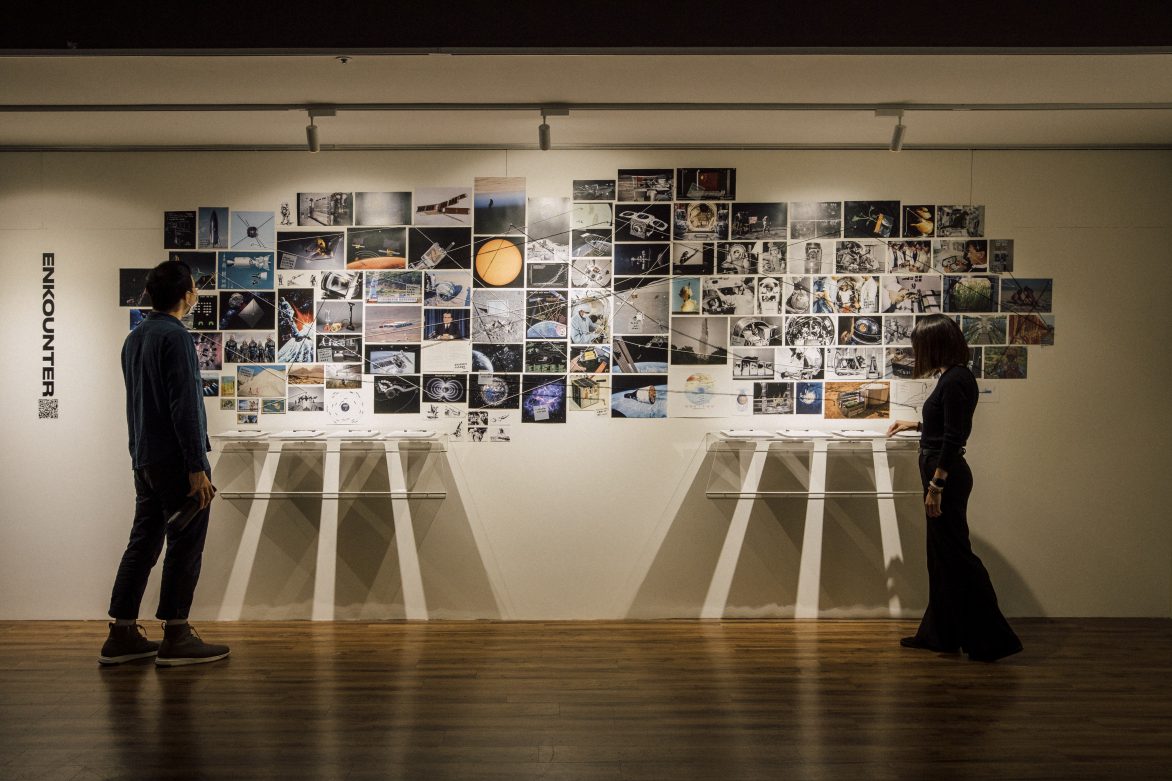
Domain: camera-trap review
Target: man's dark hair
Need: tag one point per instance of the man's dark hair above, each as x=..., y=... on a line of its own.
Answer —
x=167, y=283
x=938, y=345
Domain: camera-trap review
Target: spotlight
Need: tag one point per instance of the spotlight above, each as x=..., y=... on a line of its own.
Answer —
x=543, y=135
x=897, y=137
x=311, y=138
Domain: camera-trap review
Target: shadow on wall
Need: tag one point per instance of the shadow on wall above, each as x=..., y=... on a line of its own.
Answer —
x=855, y=579
x=368, y=581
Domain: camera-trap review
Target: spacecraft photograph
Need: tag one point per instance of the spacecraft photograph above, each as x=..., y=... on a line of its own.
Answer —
x=645, y=184
x=700, y=221
x=392, y=359
x=642, y=259
x=441, y=288
x=643, y=222
x=212, y=227
x=729, y=295
x=639, y=354
x=246, y=270
x=591, y=272
x=860, y=330
x=494, y=391
x=857, y=400
x=439, y=248
x=639, y=396
x=773, y=398
x=371, y=243
x=444, y=207
x=810, y=257
x=386, y=323
x=325, y=209
x=253, y=231
x=315, y=250
x=546, y=357
x=854, y=363
x=248, y=310
x=685, y=295
x=699, y=341
x=810, y=331
x=756, y=331
x=545, y=314
x=592, y=243
x=971, y=293
x=132, y=287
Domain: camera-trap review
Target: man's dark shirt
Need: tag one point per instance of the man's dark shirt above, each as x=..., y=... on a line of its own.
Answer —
x=164, y=396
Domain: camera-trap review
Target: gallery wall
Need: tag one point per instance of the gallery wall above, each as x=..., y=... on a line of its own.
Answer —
x=599, y=518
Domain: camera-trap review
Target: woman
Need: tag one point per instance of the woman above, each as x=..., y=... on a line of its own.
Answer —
x=962, y=606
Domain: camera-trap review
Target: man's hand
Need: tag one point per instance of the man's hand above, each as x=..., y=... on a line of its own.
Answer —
x=201, y=487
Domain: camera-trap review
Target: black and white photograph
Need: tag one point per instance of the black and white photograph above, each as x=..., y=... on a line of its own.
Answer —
x=760, y=221
x=445, y=325
x=756, y=331
x=451, y=289
x=382, y=208
x=250, y=347
x=325, y=209
x=492, y=357
x=296, y=325
x=213, y=227
x=545, y=314
x=499, y=203
x=406, y=287
x=897, y=329
x=800, y=363
x=445, y=388
x=641, y=305
x=700, y=221
x=339, y=348
x=859, y=256
x=593, y=217
x=773, y=398
x=699, y=341
x=771, y=257
x=393, y=323
x=315, y=250
x=917, y=294
x=439, y=248
x=643, y=222
x=960, y=256
x=343, y=376
x=854, y=363
x=498, y=316
x=810, y=331
x=592, y=243
x=736, y=257
x=753, y=363
x=693, y=257
x=919, y=221
x=546, y=357
x=306, y=398
x=960, y=221
x=645, y=184
x=369, y=244
x=499, y=261
x=899, y=363
x=293, y=278
x=706, y=184
x=815, y=220
x=248, y=310
x=908, y=256
x=396, y=395
x=443, y=207
x=980, y=330
x=253, y=231
x=845, y=294
x=860, y=330
x=179, y=230
x=729, y=295
x=1026, y=296
x=132, y=287
x=591, y=272
x=771, y=291
x=203, y=267
x=798, y=295
x=392, y=359
x=971, y=293
x=594, y=189
x=494, y=390
x=209, y=351
x=547, y=228
x=538, y=274
x=639, y=354
x=1001, y=256
x=810, y=257
x=870, y=219
x=240, y=270
x=642, y=259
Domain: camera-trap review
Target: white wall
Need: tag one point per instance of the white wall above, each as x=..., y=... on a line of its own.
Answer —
x=1069, y=513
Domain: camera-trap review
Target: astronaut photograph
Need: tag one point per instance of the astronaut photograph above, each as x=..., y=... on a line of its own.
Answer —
x=347, y=285
x=296, y=325
x=815, y=220
x=960, y=221
x=736, y=257
x=382, y=208
x=306, y=398
x=800, y=363
x=844, y=294
x=260, y=380
x=645, y=184
x=1031, y=329
x=870, y=219
x=971, y=293
x=179, y=230
x=439, y=248
x=771, y=257
x=327, y=209
x=370, y=244
x=693, y=257
x=810, y=257
x=756, y=331
x=643, y=222
x=909, y=257
x=639, y=396
x=984, y=329
x=700, y=221
x=761, y=221
x=1026, y=296
x=209, y=351
x=498, y=315
x=919, y=294
x=699, y=341
x=641, y=306
x=753, y=363
x=639, y=354
x=543, y=399
x=809, y=331
x=729, y=295
x=854, y=363
x=865, y=256
x=919, y=221
x=594, y=189
x=391, y=359
x=396, y=395
x=315, y=250
x=1005, y=363
x=250, y=347
x=769, y=295
x=591, y=272
x=386, y=323
x=248, y=310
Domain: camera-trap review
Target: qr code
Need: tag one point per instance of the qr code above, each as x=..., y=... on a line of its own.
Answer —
x=47, y=408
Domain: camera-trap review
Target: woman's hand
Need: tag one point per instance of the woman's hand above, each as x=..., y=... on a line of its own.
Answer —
x=932, y=504
x=901, y=425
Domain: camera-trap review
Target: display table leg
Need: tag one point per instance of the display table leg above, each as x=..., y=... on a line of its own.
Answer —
x=326, y=573
x=888, y=522
x=413, y=599
x=810, y=568
x=726, y=566
x=233, y=604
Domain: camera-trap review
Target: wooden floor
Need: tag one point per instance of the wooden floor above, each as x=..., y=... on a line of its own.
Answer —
x=663, y=700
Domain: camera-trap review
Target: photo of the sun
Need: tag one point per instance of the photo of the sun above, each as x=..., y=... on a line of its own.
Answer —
x=499, y=262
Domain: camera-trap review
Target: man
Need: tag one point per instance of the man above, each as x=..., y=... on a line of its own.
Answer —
x=168, y=446
x=582, y=328
x=446, y=330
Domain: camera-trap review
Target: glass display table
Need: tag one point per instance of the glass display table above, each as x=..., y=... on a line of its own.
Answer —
x=812, y=467
x=409, y=459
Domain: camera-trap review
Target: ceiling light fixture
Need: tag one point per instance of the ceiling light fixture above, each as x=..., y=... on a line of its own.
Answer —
x=543, y=137
x=312, y=142
x=900, y=129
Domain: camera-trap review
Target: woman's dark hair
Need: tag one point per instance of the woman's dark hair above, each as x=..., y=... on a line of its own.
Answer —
x=167, y=283
x=938, y=344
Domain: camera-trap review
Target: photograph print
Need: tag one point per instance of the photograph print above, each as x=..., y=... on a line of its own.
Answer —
x=960, y=221
x=254, y=231
x=179, y=230
x=918, y=294
x=959, y=256
x=445, y=388
x=402, y=287
x=498, y=316
x=706, y=184
x=499, y=204
x=760, y=221
x=643, y=222
x=1027, y=296
x=1031, y=329
x=444, y=288
x=213, y=227
x=693, y=257
x=871, y=219
x=641, y=305
x=810, y=257
x=859, y=256
x=443, y=207
x=639, y=354
x=699, y=341
x=594, y=189
x=494, y=391
x=248, y=310
x=815, y=220
x=543, y=398
x=800, y=363
x=445, y=325
x=546, y=357
x=591, y=243
x=239, y=270
x=368, y=247
x=546, y=315
x=205, y=315
x=548, y=229
x=311, y=250
x=382, y=208
x=203, y=267
x=391, y=323
x=645, y=184
x=391, y=359
x=396, y=395
x=729, y=295
x=700, y=221
x=770, y=291
x=1000, y=255
x=642, y=259
x=984, y=329
x=857, y=400
x=909, y=257
x=491, y=357
x=591, y=272
x=132, y=287
x=639, y=396
x=753, y=363
x=596, y=217
x=919, y=221
x=296, y=325
x=499, y=262
x=306, y=398
x=440, y=248
x=325, y=209
x=971, y=293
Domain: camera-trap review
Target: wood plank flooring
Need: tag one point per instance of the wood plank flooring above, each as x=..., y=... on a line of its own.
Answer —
x=658, y=700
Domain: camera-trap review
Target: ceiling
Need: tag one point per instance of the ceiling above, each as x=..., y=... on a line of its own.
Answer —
x=817, y=100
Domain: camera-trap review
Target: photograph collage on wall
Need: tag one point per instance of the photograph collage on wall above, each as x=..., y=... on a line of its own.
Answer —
x=654, y=294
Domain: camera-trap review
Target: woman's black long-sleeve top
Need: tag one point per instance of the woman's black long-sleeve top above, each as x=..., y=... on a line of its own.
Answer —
x=948, y=415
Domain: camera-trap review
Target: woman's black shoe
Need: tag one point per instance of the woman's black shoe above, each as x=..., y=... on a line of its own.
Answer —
x=915, y=642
